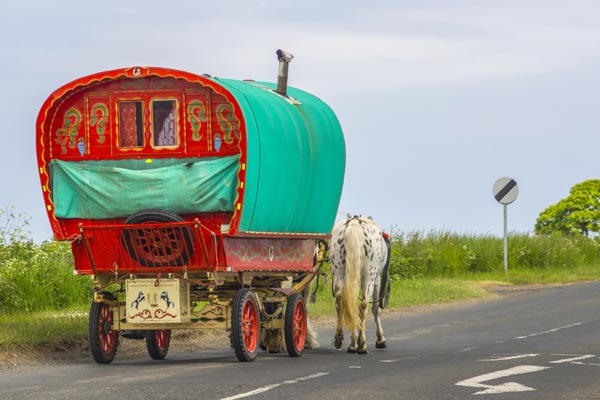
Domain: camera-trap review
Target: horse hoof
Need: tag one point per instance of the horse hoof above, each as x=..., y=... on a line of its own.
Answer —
x=312, y=345
x=381, y=345
x=363, y=351
x=337, y=344
x=352, y=350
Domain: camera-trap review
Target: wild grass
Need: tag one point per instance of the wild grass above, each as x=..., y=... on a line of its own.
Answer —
x=444, y=254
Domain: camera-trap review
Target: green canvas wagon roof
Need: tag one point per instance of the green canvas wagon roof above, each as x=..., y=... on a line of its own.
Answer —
x=295, y=160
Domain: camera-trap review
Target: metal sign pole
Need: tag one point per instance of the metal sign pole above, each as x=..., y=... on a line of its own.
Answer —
x=505, y=191
x=505, y=239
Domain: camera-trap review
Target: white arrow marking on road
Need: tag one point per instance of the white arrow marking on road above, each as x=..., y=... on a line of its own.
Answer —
x=509, y=357
x=477, y=382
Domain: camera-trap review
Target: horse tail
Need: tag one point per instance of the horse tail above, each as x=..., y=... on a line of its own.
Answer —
x=353, y=241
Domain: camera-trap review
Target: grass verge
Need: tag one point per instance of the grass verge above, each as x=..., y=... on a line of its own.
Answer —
x=58, y=330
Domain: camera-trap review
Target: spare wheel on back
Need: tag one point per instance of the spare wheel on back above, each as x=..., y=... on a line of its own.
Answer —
x=157, y=244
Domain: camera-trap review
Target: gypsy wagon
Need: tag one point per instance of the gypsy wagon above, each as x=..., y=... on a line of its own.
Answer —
x=192, y=200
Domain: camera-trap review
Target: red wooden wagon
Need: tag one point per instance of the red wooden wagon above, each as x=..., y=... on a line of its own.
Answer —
x=192, y=200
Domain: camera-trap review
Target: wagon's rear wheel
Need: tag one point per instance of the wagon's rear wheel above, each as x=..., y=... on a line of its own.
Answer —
x=295, y=325
x=103, y=339
x=157, y=342
x=245, y=325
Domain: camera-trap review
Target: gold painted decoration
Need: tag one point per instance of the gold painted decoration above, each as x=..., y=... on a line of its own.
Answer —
x=67, y=135
x=99, y=119
x=228, y=122
x=196, y=116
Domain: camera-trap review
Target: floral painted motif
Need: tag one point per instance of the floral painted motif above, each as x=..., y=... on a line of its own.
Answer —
x=67, y=135
x=99, y=119
x=228, y=122
x=196, y=116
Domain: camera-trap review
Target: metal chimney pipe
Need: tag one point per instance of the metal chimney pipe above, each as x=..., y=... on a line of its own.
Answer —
x=284, y=60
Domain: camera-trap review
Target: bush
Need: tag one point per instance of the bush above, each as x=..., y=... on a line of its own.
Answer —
x=37, y=277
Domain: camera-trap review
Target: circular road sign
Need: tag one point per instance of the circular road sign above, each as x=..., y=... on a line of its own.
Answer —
x=505, y=190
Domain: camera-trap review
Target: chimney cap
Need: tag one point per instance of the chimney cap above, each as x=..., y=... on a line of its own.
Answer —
x=283, y=55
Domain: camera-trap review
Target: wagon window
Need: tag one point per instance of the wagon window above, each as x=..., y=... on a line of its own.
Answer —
x=130, y=124
x=164, y=123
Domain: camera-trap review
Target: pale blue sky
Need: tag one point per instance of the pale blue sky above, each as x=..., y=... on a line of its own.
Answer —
x=437, y=99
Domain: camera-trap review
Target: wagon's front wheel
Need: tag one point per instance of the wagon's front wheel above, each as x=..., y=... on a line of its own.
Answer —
x=103, y=339
x=245, y=325
x=295, y=325
x=157, y=343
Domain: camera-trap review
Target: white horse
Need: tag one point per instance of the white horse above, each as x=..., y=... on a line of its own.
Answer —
x=359, y=253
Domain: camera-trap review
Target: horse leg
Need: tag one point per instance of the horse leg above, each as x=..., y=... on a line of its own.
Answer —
x=339, y=330
x=311, y=337
x=311, y=334
x=362, y=338
x=380, y=343
x=353, y=347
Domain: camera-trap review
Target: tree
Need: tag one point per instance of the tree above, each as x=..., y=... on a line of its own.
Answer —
x=579, y=213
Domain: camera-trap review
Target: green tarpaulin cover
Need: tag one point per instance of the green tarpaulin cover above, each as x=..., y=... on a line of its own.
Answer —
x=118, y=188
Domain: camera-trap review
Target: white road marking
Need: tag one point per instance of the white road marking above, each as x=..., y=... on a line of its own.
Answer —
x=566, y=360
x=274, y=385
x=582, y=363
x=393, y=360
x=468, y=349
x=355, y=366
x=496, y=358
x=550, y=331
x=477, y=382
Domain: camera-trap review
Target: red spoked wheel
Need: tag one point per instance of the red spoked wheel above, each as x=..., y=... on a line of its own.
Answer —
x=245, y=325
x=158, y=342
x=103, y=339
x=295, y=325
x=155, y=246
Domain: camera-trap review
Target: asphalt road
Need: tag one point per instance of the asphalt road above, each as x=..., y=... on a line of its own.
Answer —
x=543, y=344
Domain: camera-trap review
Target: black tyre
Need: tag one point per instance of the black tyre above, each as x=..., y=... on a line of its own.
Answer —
x=103, y=339
x=158, y=246
x=157, y=342
x=295, y=325
x=245, y=325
